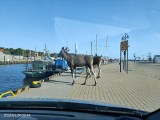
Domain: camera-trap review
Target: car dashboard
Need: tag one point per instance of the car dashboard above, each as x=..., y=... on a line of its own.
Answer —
x=59, y=115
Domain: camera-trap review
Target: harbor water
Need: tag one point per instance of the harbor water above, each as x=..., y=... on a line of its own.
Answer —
x=12, y=78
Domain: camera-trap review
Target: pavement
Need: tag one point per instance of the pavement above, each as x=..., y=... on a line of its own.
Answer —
x=137, y=89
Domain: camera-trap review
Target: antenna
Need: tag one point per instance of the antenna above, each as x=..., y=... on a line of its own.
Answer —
x=76, y=48
x=91, y=47
x=67, y=43
x=96, y=43
x=106, y=45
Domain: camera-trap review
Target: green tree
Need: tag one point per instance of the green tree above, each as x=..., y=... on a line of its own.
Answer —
x=18, y=51
x=150, y=59
x=27, y=53
x=7, y=51
x=11, y=51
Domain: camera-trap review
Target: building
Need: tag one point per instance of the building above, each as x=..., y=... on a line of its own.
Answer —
x=4, y=57
x=156, y=59
x=1, y=49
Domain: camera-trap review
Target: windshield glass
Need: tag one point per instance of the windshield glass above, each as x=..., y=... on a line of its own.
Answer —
x=107, y=51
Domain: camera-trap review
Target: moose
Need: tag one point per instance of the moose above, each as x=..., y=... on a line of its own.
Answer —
x=76, y=60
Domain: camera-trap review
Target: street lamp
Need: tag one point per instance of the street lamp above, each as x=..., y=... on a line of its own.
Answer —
x=125, y=37
x=124, y=49
x=122, y=38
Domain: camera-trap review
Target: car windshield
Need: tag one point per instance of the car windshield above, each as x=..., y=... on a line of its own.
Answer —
x=104, y=51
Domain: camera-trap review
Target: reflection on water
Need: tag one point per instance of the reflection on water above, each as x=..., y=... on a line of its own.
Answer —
x=12, y=78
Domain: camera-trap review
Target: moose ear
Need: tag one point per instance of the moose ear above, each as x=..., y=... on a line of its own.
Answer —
x=62, y=48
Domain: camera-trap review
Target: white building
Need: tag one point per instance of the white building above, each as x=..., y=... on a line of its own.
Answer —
x=5, y=57
x=156, y=59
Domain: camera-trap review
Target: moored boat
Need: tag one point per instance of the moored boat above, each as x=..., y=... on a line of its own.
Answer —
x=40, y=68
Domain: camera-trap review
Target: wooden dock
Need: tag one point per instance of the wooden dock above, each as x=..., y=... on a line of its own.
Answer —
x=136, y=89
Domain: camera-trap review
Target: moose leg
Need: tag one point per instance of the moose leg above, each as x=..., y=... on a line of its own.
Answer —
x=86, y=76
x=75, y=70
x=99, y=72
x=88, y=72
x=93, y=73
x=72, y=72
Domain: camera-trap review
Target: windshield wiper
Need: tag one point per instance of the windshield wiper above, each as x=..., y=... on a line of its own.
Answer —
x=69, y=106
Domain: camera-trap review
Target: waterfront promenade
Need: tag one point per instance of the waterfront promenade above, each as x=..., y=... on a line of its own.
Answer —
x=139, y=89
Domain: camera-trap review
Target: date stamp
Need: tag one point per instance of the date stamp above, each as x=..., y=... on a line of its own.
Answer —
x=15, y=115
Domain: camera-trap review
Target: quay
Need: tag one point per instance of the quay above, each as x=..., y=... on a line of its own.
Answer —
x=139, y=89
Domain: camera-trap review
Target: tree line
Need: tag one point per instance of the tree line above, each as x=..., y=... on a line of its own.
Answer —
x=25, y=53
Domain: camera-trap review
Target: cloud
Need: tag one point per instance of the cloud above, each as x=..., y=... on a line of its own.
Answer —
x=69, y=31
x=69, y=27
x=157, y=35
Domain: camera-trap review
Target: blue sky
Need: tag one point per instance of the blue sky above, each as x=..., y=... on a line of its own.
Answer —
x=29, y=23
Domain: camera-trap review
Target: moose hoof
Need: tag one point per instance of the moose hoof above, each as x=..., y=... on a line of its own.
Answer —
x=83, y=83
x=72, y=83
x=95, y=84
x=98, y=77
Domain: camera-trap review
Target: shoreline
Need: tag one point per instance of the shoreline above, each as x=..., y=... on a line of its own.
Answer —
x=13, y=62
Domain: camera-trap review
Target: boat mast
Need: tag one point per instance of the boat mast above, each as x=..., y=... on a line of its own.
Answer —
x=46, y=53
x=35, y=54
